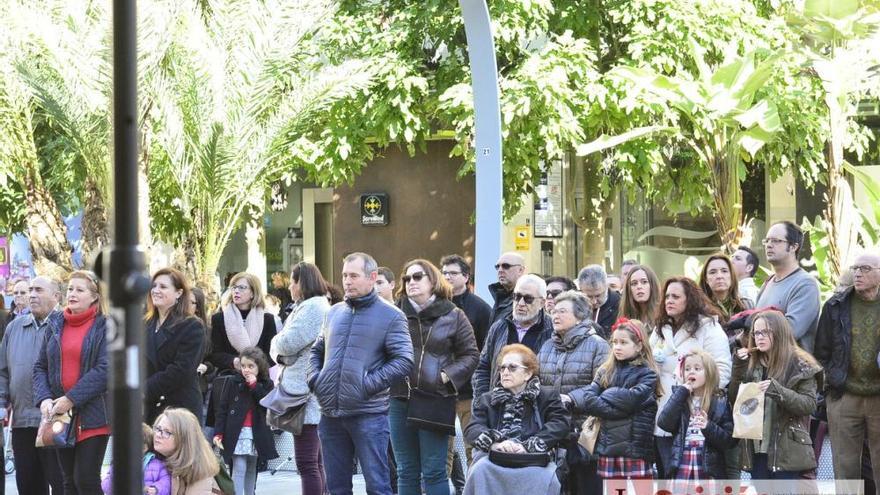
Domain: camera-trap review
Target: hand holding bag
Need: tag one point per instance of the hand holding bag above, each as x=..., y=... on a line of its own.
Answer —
x=589, y=433
x=57, y=431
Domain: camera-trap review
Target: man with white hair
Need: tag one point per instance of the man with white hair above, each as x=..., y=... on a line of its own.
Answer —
x=847, y=340
x=527, y=325
x=604, y=303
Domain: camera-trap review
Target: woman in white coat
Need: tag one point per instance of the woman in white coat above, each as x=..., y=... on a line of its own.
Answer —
x=291, y=349
x=686, y=321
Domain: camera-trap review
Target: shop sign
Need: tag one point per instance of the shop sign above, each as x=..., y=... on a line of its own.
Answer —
x=374, y=209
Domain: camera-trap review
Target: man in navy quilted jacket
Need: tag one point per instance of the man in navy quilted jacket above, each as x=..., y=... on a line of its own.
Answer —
x=363, y=346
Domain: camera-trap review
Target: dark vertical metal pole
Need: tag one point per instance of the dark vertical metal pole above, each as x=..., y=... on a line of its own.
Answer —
x=124, y=269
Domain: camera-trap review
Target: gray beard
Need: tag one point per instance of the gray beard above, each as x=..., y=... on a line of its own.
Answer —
x=525, y=319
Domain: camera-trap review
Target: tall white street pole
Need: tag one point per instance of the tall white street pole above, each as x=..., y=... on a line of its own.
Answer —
x=487, y=112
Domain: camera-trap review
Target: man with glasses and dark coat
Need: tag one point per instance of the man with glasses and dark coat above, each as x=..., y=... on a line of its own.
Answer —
x=527, y=325
x=510, y=268
x=791, y=289
x=846, y=346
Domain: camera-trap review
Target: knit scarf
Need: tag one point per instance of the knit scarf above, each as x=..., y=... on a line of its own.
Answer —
x=514, y=405
x=242, y=333
x=510, y=426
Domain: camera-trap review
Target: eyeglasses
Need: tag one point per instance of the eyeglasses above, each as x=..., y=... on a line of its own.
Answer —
x=771, y=241
x=761, y=333
x=510, y=367
x=551, y=294
x=528, y=299
x=240, y=288
x=505, y=266
x=447, y=273
x=560, y=311
x=418, y=276
x=862, y=268
x=162, y=432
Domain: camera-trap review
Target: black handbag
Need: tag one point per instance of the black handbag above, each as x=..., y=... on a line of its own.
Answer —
x=520, y=459
x=430, y=411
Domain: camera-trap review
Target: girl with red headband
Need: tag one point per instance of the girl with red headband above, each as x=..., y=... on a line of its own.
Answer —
x=624, y=397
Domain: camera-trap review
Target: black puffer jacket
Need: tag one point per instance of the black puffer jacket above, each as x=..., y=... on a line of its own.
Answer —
x=449, y=346
x=568, y=362
x=675, y=418
x=627, y=409
x=545, y=419
x=834, y=341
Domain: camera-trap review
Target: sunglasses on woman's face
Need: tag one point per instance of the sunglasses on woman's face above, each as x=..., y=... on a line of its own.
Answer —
x=418, y=276
x=510, y=367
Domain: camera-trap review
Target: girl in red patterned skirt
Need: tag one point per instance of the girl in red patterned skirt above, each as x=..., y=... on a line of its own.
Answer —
x=624, y=398
x=699, y=418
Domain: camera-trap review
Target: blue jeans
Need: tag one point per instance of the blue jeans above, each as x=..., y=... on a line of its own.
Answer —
x=365, y=437
x=418, y=453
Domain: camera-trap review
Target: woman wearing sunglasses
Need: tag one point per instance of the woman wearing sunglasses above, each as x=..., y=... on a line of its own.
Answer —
x=445, y=355
x=517, y=421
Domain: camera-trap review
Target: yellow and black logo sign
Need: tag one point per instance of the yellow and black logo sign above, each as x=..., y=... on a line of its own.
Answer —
x=374, y=209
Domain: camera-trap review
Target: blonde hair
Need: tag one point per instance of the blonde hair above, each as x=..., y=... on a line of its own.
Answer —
x=193, y=460
x=94, y=287
x=256, y=289
x=148, y=437
x=710, y=368
x=636, y=332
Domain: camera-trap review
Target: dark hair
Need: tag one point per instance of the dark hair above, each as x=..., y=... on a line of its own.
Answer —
x=751, y=259
x=697, y=305
x=256, y=355
x=732, y=292
x=439, y=286
x=793, y=234
x=454, y=259
x=181, y=308
x=335, y=294
x=386, y=272
x=631, y=309
x=567, y=282
x=311, y=282
x=201, y=311
x=629, y=262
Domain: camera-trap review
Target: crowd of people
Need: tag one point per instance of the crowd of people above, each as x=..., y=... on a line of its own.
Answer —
x=557, y=385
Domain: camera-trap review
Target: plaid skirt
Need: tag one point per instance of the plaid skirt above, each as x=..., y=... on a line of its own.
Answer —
x=623, y=468
x=690, y=467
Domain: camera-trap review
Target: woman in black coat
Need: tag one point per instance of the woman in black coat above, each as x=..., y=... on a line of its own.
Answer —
x=175, y=342
x=516, y=417
x=241, y=322
x=445, y=355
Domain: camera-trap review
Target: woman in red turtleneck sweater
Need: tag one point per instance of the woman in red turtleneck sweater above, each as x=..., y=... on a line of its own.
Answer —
x=71, y=373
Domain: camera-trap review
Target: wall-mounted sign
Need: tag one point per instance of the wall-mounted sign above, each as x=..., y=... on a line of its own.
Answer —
x=374, y=209
x=522, y=241
x=548, y=202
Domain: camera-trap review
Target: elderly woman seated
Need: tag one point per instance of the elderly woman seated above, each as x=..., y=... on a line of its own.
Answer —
x=514, y=429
